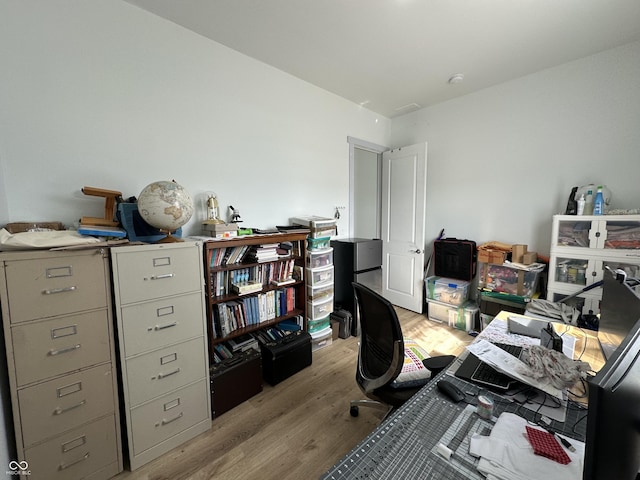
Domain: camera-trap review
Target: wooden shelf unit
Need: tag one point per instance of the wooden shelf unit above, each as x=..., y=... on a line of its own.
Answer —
x=253, y=240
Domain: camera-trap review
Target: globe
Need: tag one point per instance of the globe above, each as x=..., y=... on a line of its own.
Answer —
x=166, y=206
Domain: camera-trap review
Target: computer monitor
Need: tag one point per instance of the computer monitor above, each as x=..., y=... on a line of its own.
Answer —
x=612, y=447
x=619, y=310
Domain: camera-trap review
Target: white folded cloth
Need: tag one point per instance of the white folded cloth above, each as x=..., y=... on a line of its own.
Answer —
x=45, y=239
x=506, y=454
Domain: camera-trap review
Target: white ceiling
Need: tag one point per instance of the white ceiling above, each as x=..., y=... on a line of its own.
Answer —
x=395, y=56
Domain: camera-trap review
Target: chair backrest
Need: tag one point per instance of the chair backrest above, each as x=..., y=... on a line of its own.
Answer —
x=381, y=351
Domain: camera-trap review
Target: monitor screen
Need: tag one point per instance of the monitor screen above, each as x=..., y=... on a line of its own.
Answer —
x=619, y=311
x=612, y=448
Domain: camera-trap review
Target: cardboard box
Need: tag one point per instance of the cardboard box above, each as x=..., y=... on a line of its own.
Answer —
x=486, y=255
x=529, y=258
x=517, y=252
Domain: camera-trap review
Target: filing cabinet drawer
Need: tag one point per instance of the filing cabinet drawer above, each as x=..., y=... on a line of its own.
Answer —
x=145, y=275
x=56, y=346
x=151, y=325
x=49, y=287
x=77, y=454
x=169, y=415
x=58, y=405
x=164, y=370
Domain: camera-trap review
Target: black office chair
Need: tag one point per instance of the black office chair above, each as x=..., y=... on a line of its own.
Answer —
x=381, y=354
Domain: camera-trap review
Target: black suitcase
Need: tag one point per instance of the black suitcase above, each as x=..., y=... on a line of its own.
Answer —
x=283, y=357
x=344, y=319
x=454, y=258
x=235, y=380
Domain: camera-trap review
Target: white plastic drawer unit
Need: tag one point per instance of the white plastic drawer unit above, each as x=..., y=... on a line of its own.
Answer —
x=320, y=276
x=144, y=275
x=319, y=258
x=320, y=308
x=48, y=287
x=319, y=293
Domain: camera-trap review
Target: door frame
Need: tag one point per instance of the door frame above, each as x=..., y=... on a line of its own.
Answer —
x=378, y=150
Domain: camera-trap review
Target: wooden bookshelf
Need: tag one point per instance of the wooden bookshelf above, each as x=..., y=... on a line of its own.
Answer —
x=217, y=272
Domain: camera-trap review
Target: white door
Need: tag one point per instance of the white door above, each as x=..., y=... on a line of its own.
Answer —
x=404, y=194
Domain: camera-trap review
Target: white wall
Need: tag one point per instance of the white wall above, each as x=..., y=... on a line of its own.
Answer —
x=502, y=161
x=104, y=94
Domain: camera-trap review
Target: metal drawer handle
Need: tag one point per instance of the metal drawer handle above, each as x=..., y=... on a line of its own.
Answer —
x=160, y=277
x=166, y=422
x=165, y=375
x=162, y=327
x=51, y=353
x=60, y=411
x=64, y=466
x=51, y=291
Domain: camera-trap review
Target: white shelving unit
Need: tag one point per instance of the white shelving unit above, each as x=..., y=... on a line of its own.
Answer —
x=581, y=248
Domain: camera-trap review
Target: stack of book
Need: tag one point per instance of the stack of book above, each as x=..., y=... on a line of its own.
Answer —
x=220, y=230
x=262, y=253
x=243, y=343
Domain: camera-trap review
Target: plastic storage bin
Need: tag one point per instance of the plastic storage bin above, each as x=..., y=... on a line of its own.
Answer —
x=318, y=243
x=506, y=279
x=321, y=292
x=319, y=258
x=319, y=309
x=320, y=324
x=461, y=317
x=447, y=290
x=321, y=338
x=320, y=276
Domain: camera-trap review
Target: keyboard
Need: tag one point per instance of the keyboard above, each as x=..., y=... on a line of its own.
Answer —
x=485, y=373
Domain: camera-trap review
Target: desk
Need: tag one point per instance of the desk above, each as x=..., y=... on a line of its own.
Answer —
x=404, y=445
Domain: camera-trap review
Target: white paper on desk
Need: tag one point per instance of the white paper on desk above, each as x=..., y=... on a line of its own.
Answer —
x=509, y=365
x=507, y=454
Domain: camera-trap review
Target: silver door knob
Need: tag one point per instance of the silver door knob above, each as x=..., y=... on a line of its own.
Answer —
x=417, y=250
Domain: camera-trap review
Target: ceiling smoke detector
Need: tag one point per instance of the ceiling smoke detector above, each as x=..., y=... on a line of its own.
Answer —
x=457, y=78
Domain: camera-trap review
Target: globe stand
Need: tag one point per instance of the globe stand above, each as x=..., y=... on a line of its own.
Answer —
x=169, y=238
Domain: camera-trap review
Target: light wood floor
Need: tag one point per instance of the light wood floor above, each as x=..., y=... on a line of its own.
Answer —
x=299, y=428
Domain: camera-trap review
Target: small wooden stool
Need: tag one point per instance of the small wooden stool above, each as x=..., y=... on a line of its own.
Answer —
x=109, y=209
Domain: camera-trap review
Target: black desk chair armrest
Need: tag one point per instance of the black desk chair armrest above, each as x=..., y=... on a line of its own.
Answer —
x=436, y=364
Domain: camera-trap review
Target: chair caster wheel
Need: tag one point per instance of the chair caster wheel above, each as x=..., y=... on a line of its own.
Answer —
x=354, y=411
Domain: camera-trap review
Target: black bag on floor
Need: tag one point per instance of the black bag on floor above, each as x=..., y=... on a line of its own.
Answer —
x=283, y=357
x=454, y=258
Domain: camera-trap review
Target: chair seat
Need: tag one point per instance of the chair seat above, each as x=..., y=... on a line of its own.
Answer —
x=395, y=397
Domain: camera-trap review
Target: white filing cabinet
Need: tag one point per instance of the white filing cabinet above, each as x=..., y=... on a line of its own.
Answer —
x=581, y=248
x=161, y=328
x=56, y=311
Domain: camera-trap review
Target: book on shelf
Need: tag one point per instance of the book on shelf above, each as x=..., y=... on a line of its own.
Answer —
x=244, y=288
x=280, y=283
x=252, y=310
x=243, y=343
